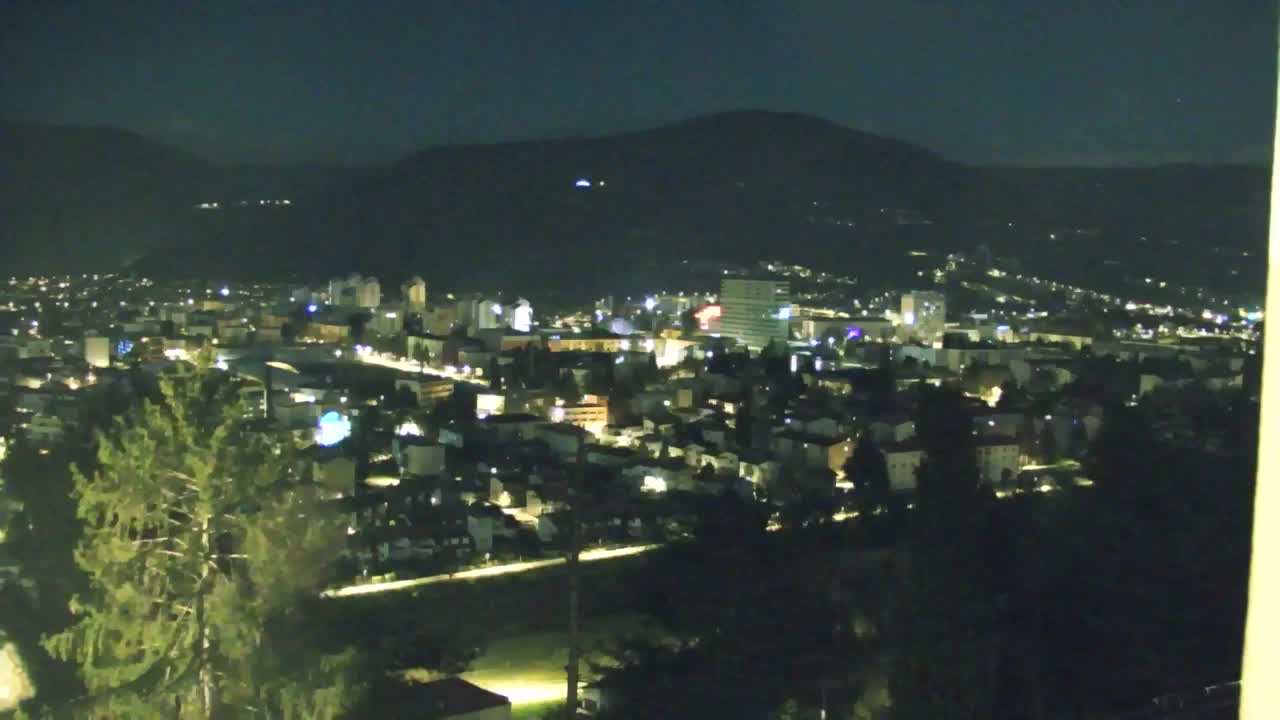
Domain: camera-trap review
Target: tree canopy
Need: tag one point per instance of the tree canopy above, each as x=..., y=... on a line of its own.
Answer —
x=199, y=538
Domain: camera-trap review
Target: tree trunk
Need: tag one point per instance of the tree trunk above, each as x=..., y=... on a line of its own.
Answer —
x=203, y=638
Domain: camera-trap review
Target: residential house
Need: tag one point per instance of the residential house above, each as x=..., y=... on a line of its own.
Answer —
x=815, y=451
x=512, y=427
x=903, y=458
x=428, y=389
x=419, y=457
x=652, y=475
x=758, y=467
x=607, y=456
x=997, y=458
x=483, y=521
x=562, y=439
x=891, y=430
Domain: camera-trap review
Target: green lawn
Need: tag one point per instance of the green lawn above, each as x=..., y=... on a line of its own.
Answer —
x=534, y=711
x=529, y=668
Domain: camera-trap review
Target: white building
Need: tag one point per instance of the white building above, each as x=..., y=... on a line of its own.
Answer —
x=355, y=291
x=421, y=459
x=97, y=351
x=997, y=458
x=414, y=291
x=387, y=320
x=903, y=460
x=480, y=313
x=924, y=316
x=45, y=429
x=519, y=315
x=755, y=311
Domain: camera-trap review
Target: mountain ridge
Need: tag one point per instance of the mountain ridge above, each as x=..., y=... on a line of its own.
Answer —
x=737, y=186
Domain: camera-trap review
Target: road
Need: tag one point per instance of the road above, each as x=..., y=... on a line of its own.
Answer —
x=413, y=367
x=587, y=556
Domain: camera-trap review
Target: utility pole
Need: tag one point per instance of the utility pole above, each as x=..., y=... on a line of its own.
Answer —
x=576, y=482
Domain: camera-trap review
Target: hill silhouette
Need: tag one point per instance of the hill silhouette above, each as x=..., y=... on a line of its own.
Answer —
x=731, y=187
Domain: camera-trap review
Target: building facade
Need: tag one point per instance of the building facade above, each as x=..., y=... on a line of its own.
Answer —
x=355, y=290
x=414, y=291
x=924, y=316
x=753, y=312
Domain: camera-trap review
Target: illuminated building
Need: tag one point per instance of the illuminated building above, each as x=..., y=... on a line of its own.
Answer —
x=480, y=313
x=355, y=291
x=387, y=320
x=519, y=315
x=97, y=351
x=428, y=390
x=924, y=316
x=997, y=458
x=607, y=343
x=589, y=417
x=328, y=331
x=414, y=291
x=755, y=311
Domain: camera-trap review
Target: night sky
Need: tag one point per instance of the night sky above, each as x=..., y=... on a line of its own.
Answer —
x=1028, y=81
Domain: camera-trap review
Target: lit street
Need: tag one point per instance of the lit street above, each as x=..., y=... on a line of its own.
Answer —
x=414, y=367
x=491, y=571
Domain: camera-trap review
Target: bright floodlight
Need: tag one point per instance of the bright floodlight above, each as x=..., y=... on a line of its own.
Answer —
x=224, y=292
x=497, y=309
x=409, y=428
x=332, y=429
x=650, y=303
x=283, y=366
x=583, y=183
x=311, y=308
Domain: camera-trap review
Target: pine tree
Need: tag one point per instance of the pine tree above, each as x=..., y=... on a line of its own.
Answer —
x=1078, y=444
x=198, y=540
x=1048, y=443
x=869, y=473
x=495, y=375
x=422, y=355
x=946, y=644
x=567, y=387
x=1028, y=440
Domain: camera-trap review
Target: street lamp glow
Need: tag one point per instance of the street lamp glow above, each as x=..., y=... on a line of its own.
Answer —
x=491, y=571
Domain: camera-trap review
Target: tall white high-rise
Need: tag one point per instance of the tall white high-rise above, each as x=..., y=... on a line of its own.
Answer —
x=924, y=316
x=755, y=311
